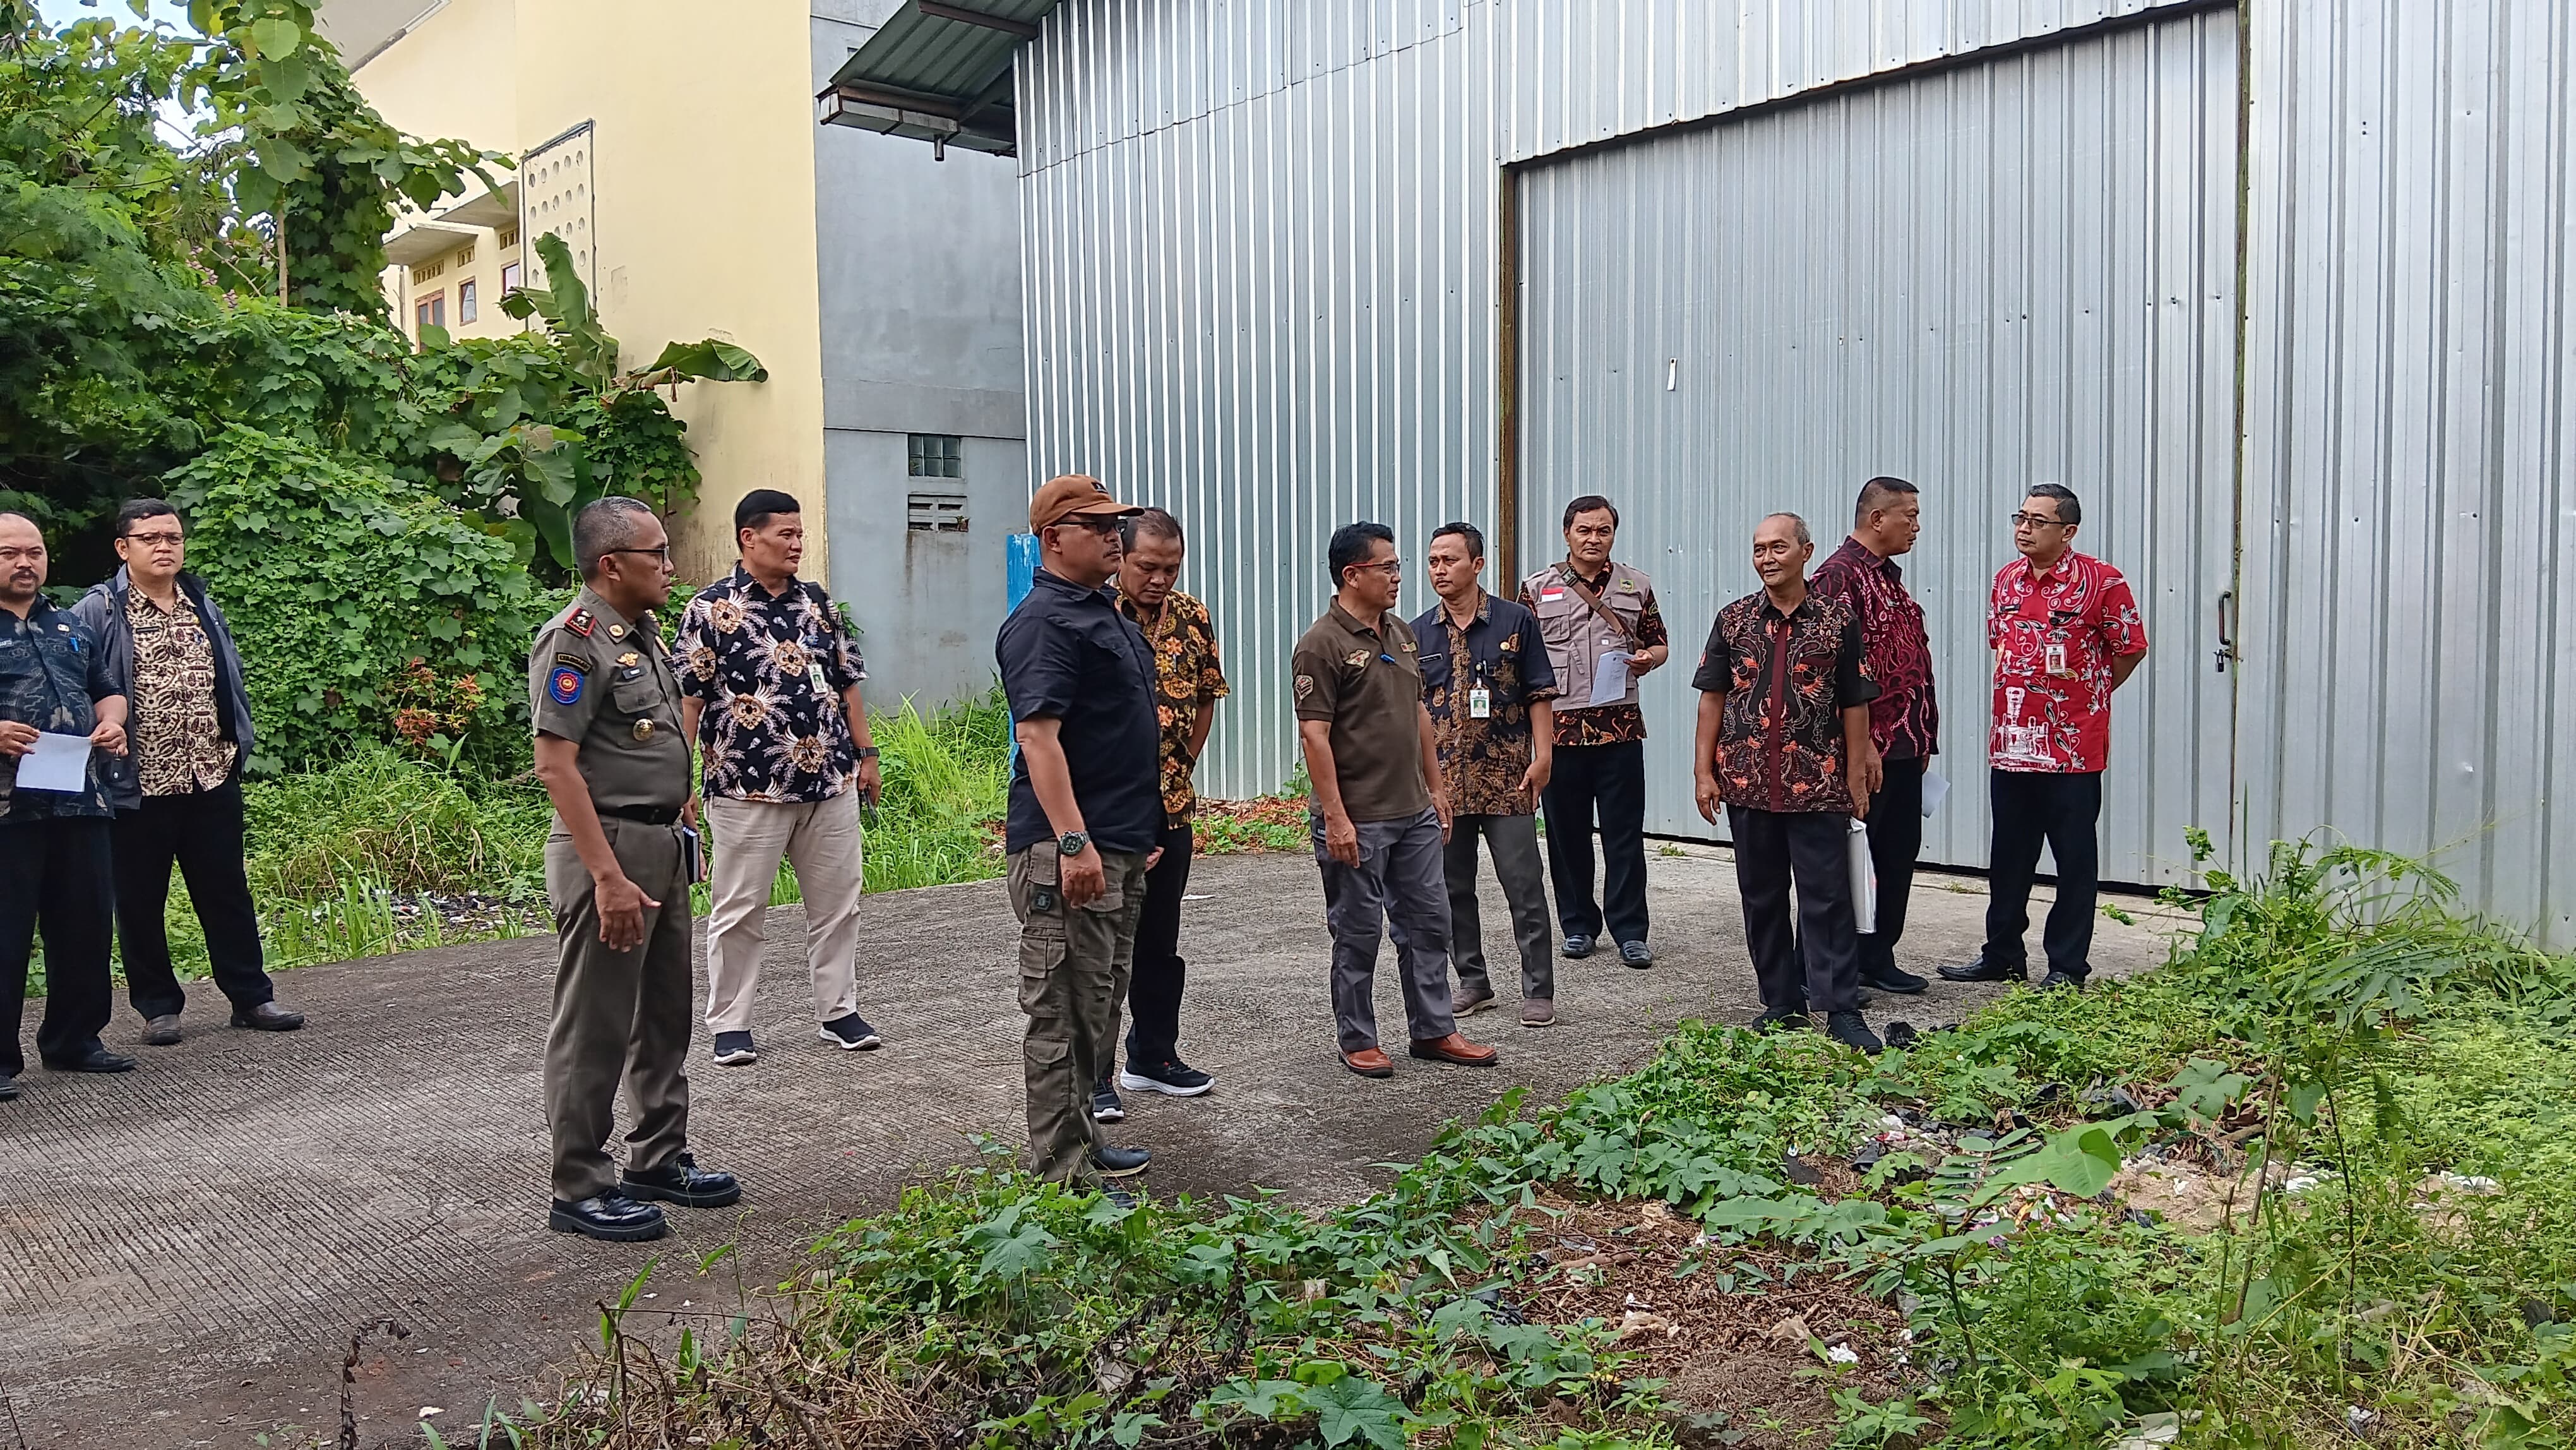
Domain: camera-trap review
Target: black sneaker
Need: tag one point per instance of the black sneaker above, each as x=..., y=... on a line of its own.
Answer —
x=1778, y=1019
x=1577, y=947
x=851, y=1032
x=1636, y=954
x=683, y=1182
x=1105, y=1107
x=1116, y=1162
x=1983, y=970
x=1173, y=1079
x=1894, y=980
x=1852, y=1030
x=734, y=1049
x=2061, y=979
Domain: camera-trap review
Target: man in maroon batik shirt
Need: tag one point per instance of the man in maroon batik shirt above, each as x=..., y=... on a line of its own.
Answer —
x=2066, y=633
x=1905, y=719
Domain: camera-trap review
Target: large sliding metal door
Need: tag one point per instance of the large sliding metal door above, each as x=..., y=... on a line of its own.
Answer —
x=2000, y=273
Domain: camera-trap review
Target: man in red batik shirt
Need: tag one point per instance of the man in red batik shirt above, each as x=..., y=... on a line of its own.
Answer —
x=2066, y=633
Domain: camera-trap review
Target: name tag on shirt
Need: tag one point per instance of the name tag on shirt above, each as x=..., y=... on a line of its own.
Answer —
x=2057, y=658
x=814, y=672
x=1480, y=703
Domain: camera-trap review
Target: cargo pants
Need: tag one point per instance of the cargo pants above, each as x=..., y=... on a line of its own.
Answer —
x=618, y=1014
x=1074, y=966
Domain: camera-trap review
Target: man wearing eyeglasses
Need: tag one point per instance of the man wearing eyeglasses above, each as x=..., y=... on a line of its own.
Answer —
x=2066, y=633
x=619, y=863
x=177, y=791
x=1086, y=810
x=1381, y=813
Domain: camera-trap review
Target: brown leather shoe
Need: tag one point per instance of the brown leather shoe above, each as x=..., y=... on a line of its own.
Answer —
x=1457, y=1049
x=1369, y=1062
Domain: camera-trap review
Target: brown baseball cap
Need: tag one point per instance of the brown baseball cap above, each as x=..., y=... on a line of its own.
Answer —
x=1074, y=495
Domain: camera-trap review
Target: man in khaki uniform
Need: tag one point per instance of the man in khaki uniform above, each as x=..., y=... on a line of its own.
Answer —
x=611, y=753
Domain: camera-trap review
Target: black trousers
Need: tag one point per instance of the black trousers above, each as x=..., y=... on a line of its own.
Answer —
x=55, y=874
x=1813, y=966
x=1154, y=992
x=1895, y=824
x=1609, y=780
x=2060, y=809
x=201, y=833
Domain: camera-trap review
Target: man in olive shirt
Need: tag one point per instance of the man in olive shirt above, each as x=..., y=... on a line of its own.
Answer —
x=615, y=762
x=1381, y=809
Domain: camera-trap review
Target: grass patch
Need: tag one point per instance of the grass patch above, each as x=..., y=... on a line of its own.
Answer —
x=384, y=852
x=1772, y=1241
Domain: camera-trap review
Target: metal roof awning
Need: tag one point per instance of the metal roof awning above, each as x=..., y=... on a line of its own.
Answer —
x=939, y=72
x=422, y=241
x=494, y=209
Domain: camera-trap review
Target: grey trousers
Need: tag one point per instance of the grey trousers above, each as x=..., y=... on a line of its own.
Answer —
x=1514, y=842
x=1074, y=967
x=618, y=1014
x=1398, y=882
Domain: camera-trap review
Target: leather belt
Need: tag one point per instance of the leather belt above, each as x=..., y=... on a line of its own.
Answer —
x=649, y=815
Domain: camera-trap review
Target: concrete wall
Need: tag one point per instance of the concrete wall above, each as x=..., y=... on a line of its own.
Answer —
x=703, y=137
x=918, y=267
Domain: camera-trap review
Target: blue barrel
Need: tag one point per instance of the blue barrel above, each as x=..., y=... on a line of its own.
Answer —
x=1019, y=576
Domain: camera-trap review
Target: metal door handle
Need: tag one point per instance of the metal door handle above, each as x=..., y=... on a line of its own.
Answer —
x=2226, y=641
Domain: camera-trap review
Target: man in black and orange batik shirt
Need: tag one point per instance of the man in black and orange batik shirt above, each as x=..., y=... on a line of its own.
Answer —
x=1783, y=741
x=1905, y=719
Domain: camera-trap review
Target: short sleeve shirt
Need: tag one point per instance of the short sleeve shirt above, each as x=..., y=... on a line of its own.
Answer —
x=1905, y=719
x=1367, y=684
x=772, y=670
x=1068, y=655
x=1501, y=653
x=176, y=734
x=1787, y=679
x=2055, y=636
x=52, y=676
x=1188, y=681
x=606, y=685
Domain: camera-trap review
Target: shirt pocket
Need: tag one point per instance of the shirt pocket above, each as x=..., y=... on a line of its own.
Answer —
x=635, y=699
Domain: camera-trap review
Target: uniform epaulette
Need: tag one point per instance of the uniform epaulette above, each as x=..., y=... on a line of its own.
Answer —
x=580, y=622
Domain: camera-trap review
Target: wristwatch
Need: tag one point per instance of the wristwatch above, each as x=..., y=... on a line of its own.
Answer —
x=867, y=752
x=1073, y=843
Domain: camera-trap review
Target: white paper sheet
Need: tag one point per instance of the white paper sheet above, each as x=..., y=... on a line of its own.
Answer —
x=1864, y=880
x=1609, y=679
x=1936, y=788
x=59, y=762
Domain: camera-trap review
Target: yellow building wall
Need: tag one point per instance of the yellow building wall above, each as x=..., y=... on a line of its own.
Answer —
x=703, y=165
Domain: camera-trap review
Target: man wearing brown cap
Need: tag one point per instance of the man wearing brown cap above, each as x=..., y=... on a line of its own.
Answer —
x=1086, y=808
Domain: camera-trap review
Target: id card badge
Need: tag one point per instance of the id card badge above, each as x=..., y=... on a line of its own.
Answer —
x=1480, y=703
x=2057, y=657
x=814, y=672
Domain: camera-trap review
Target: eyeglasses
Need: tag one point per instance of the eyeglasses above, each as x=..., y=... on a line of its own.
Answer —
x=157, y=540
x=663, y=553
x=1100, y=527
x=2035, y=521
x=1391, y=568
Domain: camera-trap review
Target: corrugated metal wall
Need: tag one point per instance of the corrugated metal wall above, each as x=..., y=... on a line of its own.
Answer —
x=1261, y=253
x=2411, y=429
x=1998, y=274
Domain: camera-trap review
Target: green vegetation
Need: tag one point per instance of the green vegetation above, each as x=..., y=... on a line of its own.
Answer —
x=2373, y=1093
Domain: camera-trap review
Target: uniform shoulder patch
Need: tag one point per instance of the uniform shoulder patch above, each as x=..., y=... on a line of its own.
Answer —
x=564, y=684
x=581, y=622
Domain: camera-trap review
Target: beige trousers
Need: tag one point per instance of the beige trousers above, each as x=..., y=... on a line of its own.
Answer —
x=819, y=838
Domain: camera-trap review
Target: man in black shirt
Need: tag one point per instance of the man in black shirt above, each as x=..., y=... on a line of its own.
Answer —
x=1085, y=811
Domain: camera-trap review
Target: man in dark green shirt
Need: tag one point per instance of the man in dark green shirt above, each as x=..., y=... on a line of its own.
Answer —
x=1381, y=809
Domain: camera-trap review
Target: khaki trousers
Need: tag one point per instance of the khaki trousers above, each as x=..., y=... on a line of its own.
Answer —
x=618, y=1014
x=1073, y=982
x=821, y=839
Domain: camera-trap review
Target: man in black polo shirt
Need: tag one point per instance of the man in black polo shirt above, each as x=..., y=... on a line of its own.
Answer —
x=1381, y=810
x=1086, y=807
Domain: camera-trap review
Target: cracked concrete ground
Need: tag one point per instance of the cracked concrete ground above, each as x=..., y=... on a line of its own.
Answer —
x=185, y=1250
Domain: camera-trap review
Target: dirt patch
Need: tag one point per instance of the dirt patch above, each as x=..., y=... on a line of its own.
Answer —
x=1735, y=1331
